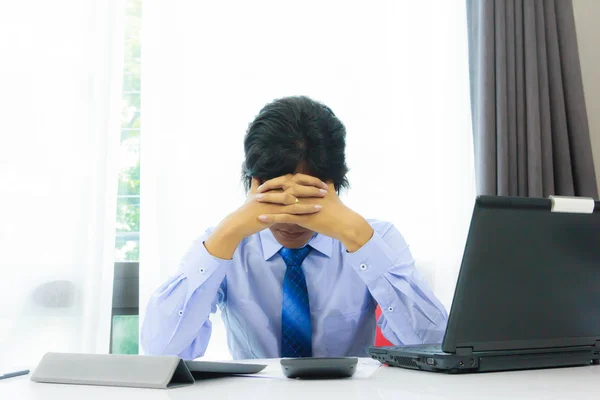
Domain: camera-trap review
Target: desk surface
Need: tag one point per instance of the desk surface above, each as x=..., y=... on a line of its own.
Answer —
x=385, y=383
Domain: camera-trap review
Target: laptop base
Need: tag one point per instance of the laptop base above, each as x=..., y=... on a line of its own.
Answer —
x=432, y=358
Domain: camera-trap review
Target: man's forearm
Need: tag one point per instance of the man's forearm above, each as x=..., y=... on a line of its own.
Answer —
x=223, y=241
x=355, y=233
x=163, y=332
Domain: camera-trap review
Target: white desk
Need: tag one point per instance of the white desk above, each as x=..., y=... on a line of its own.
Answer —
x=387, y=383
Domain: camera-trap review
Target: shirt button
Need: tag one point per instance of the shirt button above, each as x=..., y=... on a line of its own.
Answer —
x=363, y=267
x=390, y=308
x=180, y=313
x=201, y=270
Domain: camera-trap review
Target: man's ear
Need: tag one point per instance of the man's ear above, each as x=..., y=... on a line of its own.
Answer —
x=254, y=184
x=331, y=187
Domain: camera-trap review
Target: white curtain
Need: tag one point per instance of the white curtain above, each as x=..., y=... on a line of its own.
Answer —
x=60, y=79
x=395, y=72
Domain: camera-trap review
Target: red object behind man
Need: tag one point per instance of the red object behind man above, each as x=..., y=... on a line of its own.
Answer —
x=380, y=340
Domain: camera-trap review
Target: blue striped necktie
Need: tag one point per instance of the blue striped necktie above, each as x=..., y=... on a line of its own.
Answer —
x=296, y=330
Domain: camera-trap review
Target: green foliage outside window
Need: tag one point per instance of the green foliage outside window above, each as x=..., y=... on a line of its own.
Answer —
x=125, y=328
x=128, y=202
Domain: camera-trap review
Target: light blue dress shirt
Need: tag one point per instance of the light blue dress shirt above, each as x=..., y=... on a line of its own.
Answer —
x=344, y=289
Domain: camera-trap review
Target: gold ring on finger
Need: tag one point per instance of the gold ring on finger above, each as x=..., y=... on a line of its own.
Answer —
x=297, y=201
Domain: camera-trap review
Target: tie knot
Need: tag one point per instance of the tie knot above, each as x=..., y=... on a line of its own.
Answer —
x=294, y=257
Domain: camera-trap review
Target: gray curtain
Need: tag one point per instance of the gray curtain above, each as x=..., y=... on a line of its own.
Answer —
x=530, y=124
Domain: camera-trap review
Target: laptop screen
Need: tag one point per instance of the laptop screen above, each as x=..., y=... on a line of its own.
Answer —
x=530, y=278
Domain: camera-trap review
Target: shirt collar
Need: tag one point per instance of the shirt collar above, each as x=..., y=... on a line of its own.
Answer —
x=270, y=246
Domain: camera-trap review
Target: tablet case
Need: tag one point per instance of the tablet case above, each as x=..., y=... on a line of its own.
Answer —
x=159, y=372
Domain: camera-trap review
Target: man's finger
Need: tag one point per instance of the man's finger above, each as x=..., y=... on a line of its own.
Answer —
x=299, y=209
x=275, y=183
x=276, y=198
x=306, y=191
x=309, y=181
x=281, y=218
x=286, y=181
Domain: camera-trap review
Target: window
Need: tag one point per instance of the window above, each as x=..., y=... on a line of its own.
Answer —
x=125, y=320
x=128, y=201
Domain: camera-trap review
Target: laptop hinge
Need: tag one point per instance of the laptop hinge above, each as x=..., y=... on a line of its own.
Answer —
x=464, y=351
x=579, y=205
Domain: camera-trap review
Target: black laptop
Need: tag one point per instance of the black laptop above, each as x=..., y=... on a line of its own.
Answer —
x=528, y=291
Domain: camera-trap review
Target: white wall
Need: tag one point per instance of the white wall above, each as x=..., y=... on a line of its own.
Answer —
x=587, y=15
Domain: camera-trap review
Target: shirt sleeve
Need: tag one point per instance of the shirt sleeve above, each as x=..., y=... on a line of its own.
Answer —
x=177, y=317
x=411, y=314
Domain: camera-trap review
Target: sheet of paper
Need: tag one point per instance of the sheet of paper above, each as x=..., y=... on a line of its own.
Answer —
x=366, y=367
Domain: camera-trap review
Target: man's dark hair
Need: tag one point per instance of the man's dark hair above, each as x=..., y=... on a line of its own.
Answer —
x=292, y=130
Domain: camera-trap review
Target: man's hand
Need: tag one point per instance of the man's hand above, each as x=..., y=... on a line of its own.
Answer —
x=334, y=220
x=295, y=185
x=244, y=222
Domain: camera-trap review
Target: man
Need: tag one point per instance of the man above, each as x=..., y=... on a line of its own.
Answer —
x=294, y=271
